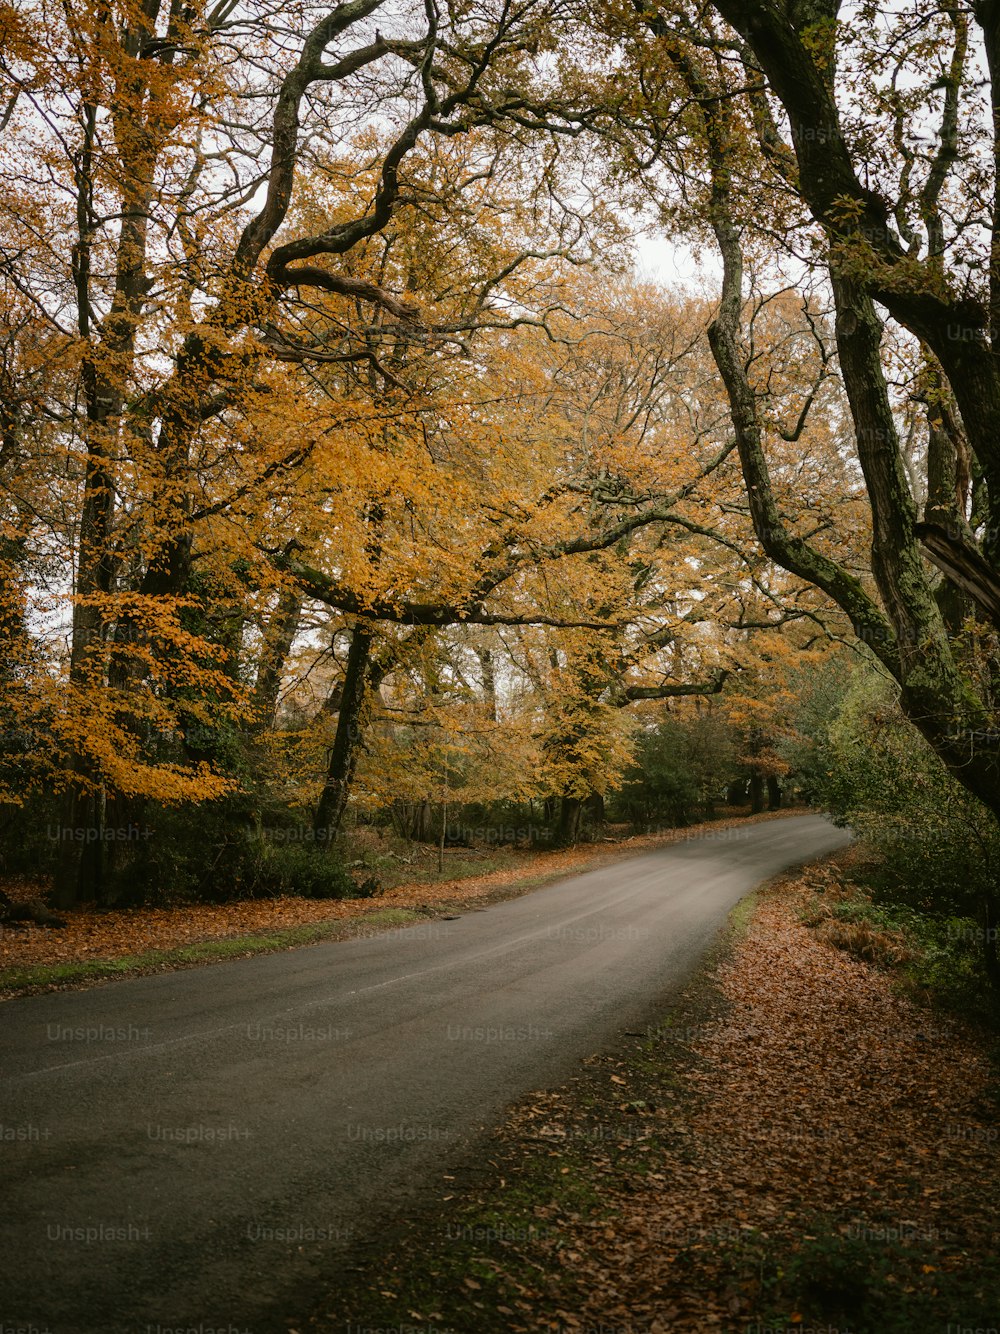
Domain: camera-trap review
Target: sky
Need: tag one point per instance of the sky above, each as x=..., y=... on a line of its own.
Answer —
x=661, y=259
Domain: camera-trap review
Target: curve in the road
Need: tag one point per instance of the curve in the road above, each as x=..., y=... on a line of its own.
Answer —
x=199, y=1148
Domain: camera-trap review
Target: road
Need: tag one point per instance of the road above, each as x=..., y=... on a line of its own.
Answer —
x=198, y=1149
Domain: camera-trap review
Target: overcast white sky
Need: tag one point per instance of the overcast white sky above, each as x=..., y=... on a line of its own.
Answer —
x=662, y=260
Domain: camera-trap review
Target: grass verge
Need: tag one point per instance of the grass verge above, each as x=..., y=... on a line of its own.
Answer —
x=48, y=977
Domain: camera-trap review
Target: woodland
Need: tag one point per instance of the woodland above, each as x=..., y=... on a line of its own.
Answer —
x=361, y=478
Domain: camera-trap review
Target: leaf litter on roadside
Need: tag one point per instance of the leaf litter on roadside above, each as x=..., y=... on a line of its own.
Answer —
x=821, y=1125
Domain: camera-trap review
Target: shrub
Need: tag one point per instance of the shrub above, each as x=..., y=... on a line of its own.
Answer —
x=308, y=872
x=938, y=848
x=678, y=768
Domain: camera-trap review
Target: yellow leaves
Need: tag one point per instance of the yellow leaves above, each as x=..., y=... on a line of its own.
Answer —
x=170, y=784
x=155, y=639
x=450, y=753
x=20, y=45
x=846, y=210
x=819, y=39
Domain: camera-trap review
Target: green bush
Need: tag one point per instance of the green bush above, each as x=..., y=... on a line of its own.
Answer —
x=679, y=768
x=941, y=954
x=312, y=873
x=28, y=842
x=937, y=847
x=220, y=852
x=818, y=693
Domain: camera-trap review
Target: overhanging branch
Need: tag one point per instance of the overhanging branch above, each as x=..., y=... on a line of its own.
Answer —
x=314, y=584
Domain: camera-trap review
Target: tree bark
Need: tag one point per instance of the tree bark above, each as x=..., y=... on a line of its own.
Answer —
x=485, y=657
x=421, y=826
x=344, y=753
x=569, y=820
x=594, y=807
x=268, y=684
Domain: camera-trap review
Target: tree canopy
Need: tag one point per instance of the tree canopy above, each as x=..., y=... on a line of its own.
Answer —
x=345, y=455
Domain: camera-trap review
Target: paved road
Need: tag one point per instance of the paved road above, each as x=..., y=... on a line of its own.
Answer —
x=198, y=1149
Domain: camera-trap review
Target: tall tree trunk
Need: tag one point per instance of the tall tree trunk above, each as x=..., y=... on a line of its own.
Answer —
x=773, y=793
x=344, y=753
x=756, y=792
x=569, y=820
x=283, y=628
x=15, y=641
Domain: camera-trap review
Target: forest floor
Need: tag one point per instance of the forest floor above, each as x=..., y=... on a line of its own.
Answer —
x=802, y=1144
x=119, y=942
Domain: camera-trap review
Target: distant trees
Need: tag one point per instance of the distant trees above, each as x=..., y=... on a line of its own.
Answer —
x=681, y=769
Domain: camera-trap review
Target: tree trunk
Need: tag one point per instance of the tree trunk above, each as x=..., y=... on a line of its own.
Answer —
x=79, y=874
x=756, y=792
x=489, y=682
x=125, y=818
x=344, y=753
x=594, y=806
x=569, y=819
x=421, y=821
x=268, y=684
x=773, y=793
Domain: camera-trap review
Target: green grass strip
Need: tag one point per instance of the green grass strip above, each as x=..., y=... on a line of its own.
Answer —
x=44, y=976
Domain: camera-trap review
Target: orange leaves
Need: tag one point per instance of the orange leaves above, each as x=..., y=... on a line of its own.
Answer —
x=105, y=728
x=808, y=1107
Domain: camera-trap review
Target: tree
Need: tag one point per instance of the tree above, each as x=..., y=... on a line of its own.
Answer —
x=171, y=303
x=683, y=762
x=806, y=134
x=565, y=461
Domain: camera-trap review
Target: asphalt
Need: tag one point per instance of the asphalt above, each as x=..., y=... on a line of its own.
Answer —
x=200, y=1150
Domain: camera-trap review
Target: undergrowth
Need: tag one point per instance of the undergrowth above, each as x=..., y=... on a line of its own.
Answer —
x=937, y=957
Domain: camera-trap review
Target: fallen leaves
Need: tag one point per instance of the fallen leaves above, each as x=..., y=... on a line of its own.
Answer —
x=817, y=1092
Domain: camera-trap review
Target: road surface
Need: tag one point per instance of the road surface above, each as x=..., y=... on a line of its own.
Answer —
x=197, y=1150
